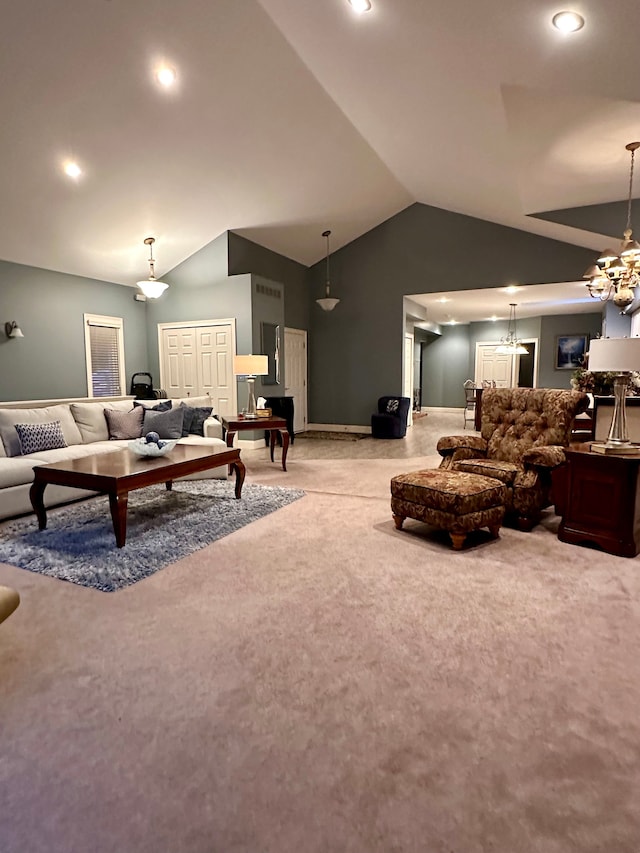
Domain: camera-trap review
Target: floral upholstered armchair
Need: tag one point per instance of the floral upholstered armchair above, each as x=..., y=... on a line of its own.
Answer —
x=522, y=436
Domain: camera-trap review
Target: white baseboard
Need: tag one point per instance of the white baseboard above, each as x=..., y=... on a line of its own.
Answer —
x=340, y=427
x=443, y=409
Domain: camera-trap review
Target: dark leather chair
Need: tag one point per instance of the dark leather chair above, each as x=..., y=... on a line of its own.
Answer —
x=390, y=421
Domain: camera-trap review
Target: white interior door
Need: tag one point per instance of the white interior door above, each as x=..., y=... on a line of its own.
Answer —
x=494, y=366
x=407, y=372
x=196, y=358
x=295, y=374
x=215, y=366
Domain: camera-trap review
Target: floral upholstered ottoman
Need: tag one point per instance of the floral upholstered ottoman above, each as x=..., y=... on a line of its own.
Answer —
x=450, y=500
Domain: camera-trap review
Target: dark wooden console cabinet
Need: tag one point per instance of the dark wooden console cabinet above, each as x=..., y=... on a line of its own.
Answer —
x=597, y=497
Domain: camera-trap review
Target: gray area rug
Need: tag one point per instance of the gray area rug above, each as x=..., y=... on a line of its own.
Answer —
x=79, y=544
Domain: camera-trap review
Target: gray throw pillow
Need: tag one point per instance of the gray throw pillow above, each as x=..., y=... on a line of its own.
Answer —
x=194, y=418
x=166, y=424
x=36, y=437
x=122, y=425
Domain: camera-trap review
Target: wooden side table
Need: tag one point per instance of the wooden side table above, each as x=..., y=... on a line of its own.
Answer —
x=273, y=425
x=597, y=495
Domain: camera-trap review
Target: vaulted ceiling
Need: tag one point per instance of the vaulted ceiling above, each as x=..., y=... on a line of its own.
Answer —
x=292, y=116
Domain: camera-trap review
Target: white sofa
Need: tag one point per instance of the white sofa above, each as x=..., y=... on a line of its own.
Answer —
x=85, y=431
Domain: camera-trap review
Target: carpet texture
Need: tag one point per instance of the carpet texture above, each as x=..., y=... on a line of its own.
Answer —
x=321, y=682
x=79, y=543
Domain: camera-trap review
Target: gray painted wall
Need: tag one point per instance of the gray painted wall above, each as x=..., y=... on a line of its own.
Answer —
x=227, y=298
x=573, y=324
x=266, y=308
x=49, y=307
x=615, y=324
x=248, y=257
x=445, y=366
x=355, y=352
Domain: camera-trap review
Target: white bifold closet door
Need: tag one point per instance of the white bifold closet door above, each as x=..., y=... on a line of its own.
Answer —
x=197, y=359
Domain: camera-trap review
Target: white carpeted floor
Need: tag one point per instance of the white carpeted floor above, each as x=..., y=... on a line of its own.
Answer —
x=321, y=682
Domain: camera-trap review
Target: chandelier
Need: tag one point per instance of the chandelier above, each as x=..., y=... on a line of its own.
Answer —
x=615, y=273
x=328, y=302
x=510, y=345
x=151, y=287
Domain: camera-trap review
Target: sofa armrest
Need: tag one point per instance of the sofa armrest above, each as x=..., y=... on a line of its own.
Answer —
x=212, y=428
x=546, y=457
x=450, y=443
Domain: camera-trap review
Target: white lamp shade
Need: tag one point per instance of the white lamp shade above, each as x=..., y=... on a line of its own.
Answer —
x=616, y=355
x=152, y=288
x=250, y=365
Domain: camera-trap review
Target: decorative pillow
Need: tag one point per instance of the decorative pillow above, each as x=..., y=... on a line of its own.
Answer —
x=124, y=425
x=392, y=406
x=194, y=418
x=167, y=424
x=163, y=406
x=35, y=437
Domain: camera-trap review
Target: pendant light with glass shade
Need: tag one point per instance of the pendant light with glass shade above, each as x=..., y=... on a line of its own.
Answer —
x=151, y=287
x=510, y=345
x=328, y=302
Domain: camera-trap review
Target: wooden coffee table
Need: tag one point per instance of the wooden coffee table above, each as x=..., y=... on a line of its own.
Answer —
x=273, y=425
x=119, y=472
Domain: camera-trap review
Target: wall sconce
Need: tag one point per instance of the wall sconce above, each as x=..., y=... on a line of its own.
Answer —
x=13, y=330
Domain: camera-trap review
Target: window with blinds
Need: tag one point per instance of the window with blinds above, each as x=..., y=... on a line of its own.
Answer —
x=105, y=356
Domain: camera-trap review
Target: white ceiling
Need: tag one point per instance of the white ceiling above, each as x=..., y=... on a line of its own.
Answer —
x=536, y=300
x=292, y=116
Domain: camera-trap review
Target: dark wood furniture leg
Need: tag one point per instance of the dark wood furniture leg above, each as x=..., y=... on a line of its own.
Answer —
x=36, y=495
x=118, y=506
x=240, y=470
x=229, y=438
x=272, y=441
x=284, y=435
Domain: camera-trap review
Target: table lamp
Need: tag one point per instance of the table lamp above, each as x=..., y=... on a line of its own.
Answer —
x=251, y=366
x=620, y=356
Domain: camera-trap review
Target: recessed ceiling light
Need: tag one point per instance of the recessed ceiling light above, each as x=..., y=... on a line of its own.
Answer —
x=493, y=319
x=166, y=76
x=568, y=22
x=71, y=169
x=511, y=289
x=360, y=6
x=443, y=299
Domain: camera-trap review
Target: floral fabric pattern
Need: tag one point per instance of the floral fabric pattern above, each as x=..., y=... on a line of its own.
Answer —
x=453, y=492
x=523, y=433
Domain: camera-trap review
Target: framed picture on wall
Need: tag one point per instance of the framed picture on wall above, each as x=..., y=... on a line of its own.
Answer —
x=570, y=350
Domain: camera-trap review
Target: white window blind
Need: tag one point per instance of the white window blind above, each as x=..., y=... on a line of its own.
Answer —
x=105, y=356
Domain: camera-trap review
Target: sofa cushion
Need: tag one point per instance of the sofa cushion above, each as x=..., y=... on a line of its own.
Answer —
x=16, y=472
x=62, y=454
x=10, y=417
x=167, y=424
x=506, y=472
x=194, y=418
x=91, y=421
x=205, y=400
x=34, y=437
x=124, y=424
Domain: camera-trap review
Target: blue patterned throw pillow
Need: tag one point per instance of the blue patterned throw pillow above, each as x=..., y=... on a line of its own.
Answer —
x=392, y=406
x=37, y=437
